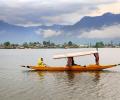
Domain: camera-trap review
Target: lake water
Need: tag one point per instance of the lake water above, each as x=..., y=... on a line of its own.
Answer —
x=18, y=83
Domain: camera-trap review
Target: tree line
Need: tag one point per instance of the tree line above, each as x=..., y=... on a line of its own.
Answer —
x=49, y=44
x=44, y=44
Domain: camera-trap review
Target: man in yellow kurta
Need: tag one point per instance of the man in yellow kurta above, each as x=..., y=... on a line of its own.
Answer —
x=40, y=62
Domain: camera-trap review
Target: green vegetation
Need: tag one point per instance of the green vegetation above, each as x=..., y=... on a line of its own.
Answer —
x=7, y=44
x=99, y=45
x=49, y=44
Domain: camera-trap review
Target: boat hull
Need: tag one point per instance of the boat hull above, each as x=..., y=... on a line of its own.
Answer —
x=73, y=68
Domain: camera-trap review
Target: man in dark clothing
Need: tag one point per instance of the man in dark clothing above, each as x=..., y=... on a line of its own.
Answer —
x=70, y=61
x=96, y=58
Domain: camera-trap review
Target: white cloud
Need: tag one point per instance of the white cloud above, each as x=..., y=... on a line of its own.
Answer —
x=110, y=32
x=48, y=33
x=109, y=7
x=26, y=12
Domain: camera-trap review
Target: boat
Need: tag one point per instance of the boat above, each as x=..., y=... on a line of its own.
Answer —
x=91, y=67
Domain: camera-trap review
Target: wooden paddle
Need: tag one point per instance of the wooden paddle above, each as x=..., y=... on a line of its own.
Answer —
x=25, y=66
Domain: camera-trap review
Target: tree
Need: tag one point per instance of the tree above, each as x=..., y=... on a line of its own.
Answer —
x=64, y=45
x=25, y=45
x=70, y=43
x=44, y=43
x=99, y=45
x=7, y=44
x=52, y=44
x=48, y=43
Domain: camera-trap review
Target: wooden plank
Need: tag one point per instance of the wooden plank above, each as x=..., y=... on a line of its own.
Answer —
x=74, y=54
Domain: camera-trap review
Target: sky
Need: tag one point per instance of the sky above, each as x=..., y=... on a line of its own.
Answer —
x=49, y=12
x=111, y=32
x=62, y=12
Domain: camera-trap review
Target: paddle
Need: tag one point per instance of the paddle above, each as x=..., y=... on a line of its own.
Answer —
x=117, y=64
x=22, y=66
x=25, y=66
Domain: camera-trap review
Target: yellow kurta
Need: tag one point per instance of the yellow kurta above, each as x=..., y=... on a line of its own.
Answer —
x=40, y=62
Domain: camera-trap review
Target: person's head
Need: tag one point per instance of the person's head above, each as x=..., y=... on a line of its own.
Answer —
x=41, y=59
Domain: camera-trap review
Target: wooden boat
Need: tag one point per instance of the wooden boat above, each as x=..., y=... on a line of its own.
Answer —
x=72, y=68
x=94, y=67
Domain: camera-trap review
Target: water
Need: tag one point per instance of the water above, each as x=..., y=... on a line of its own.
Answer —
x=17, y=83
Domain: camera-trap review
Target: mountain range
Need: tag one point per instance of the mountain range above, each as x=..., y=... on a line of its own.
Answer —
x=60, y=33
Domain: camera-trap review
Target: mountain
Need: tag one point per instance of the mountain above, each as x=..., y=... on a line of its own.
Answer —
x=9, y=32
x=15, y=28
x=10, y=27
x=96, y=22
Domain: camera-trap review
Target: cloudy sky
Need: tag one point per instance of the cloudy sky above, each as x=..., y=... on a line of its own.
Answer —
x=110, y=32
x=48, y=12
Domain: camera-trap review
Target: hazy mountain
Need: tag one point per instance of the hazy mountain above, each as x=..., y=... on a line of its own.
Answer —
x=6, y=26
x=19, y=33
x=15, y=33
x=97, y=22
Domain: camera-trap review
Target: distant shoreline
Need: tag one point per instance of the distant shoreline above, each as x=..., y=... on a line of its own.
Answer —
x=51, y=45
x=57, y=48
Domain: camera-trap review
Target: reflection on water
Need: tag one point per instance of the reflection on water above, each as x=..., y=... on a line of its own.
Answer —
x=96, y=76
x=17, y=83
x=70, y=85
x=70, y=75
